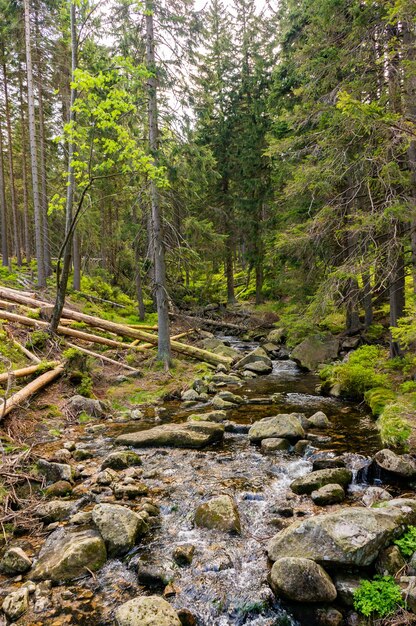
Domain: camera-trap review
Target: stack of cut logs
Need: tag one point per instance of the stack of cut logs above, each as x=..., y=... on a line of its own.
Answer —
x=11, y=299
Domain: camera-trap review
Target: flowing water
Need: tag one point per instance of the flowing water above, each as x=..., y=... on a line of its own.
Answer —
x=226, y=584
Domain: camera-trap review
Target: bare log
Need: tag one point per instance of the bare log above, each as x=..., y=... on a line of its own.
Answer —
x=204, y=321
x=126, y=331
x=146, y=346
x=23, y=372
x=101, y=357
x=8, y=306
x=24, y=394
x=26, y=352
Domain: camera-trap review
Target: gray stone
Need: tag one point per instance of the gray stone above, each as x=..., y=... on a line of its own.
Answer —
x=389, y=561
x=259, y=367
x=300, y=446
x=16, y=603
x=189, y=435
x=273, y=444
x=408, y=585
x=328, y=494
x=146, y=611
x=403, y=466
x=184, y=554
x=94, y=408
x=329, y=617
x=56, y=510
x=319, y=420
x=68, y=555
x=218, y=347
x=351, y=343
x=119, y=527
x=107, y=477
x=256, y=356
x=276, y=335
x=374, y=494
x=283, y=426
x=301, y=580
x=219, y=513
x=346, y=585
x=130, y=491
x=121, y=460
x=231, y=397
x=154, y=574
x=59, y=489
x=227, y=379
x=351, y=536
x=15, y=561
x=221, y=404
x=190, y=394
x=316, y=480
x=55, y=471
x=212, y=416
x=315, y=350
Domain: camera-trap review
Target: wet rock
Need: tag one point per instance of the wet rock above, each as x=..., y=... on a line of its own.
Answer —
x=273, y=444
x=200, y=385
x=83, y=517
x=231, y=397
x=319, y=420
x=43, y=596
x=346, y=585
x=276, y=335
x=190, y=395
x=256, y=356
x=59, y=489
x=300, y=446
x=301, y=580
x=56, y=510
x=16, y=603
x=119, y=527
x=328, y=494
x=351, y=536
x=54, y=472
x=212, y=416
x=67, y=555
x=187, y=618
x=316, y=480
x=233, y=427
x=221, y=404
x=121, y=460
x=315, y=350
x=130, y=491
x=94, y=408
x=271, y=348
x=283, y=510
x=146, y=611
x=69, y=445
x=82, y=454
x=402, y=466
x=15, y=561
x=375, y=494
x=412, y=564
x=283, y=426
x=189, y=435
x=329, y=617
x=351, y=343
x=227, y=379
x=107, y=477
x=154, y=575
x=328, y=463
x=61, y=456
x=219, y=513
x=389, y=561
x=216, y=345
x=184, y=554
x=260, y=367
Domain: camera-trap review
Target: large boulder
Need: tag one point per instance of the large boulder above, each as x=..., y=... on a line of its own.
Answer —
x=146, y=611
x=94, y=408
x=259, y=368
x=216, y=345
x=220, y=514
x=189, y=435
x=68, y=555
x=256, y=356
x=400, y=465
x=351, y=536
x=283, y=426
x=328, y=494
x=319, y=420
x=301, y=580
x=315, y=350
x=320, y=478
x=53, y=472
x=119, y=527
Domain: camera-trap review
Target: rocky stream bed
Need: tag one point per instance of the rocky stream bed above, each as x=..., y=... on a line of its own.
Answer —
x=175, y=514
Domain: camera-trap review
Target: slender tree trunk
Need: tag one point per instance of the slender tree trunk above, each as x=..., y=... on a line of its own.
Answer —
x=164, y=352
x=409, y=48
x=3, y=209
x=33, y=152
x=397, y=298
x=28, y=246
x=62, y=280
x=367, y=299
x=77, y=263
x=137, y=263
x=15, y=225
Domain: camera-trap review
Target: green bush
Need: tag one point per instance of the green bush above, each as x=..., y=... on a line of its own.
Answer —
x=408, y=387
x=407, y=542
x=393, y=425
x=380, y=596
x=38, y=339
x=378, y=398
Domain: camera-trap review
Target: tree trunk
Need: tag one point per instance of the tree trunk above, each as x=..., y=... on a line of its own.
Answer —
x=163, y=353
x=3, y=209
x=77, y=263
x=28, y=246
x=367, y=299
x=397, y=297
x=409, y=47
x=15, y=225
x=33, y=152
x=62, y=280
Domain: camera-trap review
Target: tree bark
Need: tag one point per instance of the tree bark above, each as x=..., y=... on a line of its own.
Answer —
x=367, y=299
x=409, y=50
x=77, y=263
x=24, y=394
x=3, y=209
x=28, y=245
x=34, y=152
x=164, y=348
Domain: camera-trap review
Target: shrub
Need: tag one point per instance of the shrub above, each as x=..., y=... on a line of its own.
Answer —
x=408, y=387
x=378, y=398
x=380, y=596
x=38, y=339
x=407, y=542
x=393, y=426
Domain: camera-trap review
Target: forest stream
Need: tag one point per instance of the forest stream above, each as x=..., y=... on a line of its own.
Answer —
x=226, y=583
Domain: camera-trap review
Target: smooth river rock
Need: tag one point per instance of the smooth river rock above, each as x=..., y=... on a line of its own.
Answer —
x=68, y=555
x=320, y=478
x=220, y=514
x=401, y=465
x=328, y=494
x=121, y=460
x=119, y=527
x=301, y=580
x=351, y=536
x=283, y=426
x=146, y=611
x=188, y=435
x=315, y=350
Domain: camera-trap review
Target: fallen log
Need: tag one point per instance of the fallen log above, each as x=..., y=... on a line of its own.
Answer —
x=24, y=394
x=9, y=306
x=126, y=331
x=22, y=373
x=146, y=346
x=143, y=326
x=26, y=352
x=203, y=321
x=106, y=359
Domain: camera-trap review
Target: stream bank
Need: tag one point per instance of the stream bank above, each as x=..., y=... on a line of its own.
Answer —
x=214, y=578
